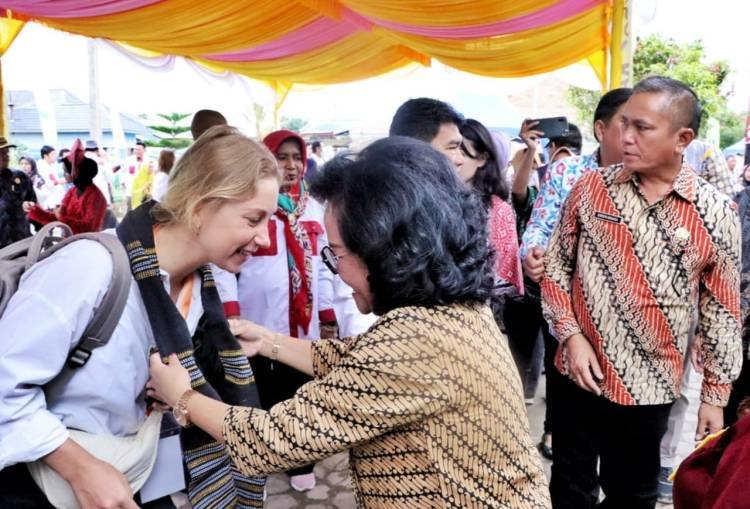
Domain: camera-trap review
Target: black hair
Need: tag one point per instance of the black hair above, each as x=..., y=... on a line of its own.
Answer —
x=489, y=180
x=421, y=118
x=315, y=146
x=424, y=238
x=609, y=104
x=139, y=142
x=684, y=103
x=32, y=163
x=205, y=119
x=571, y=140
x=46, y=150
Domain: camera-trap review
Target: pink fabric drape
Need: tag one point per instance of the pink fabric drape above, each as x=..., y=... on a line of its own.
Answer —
x=320, y=32
x=324, y=31
x=73, y=8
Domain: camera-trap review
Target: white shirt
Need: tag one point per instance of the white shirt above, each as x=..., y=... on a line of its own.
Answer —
x=350, y=321
x=161, y=182
x=41, y=325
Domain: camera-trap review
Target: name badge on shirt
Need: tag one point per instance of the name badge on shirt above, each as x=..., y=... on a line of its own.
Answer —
x=608, y=217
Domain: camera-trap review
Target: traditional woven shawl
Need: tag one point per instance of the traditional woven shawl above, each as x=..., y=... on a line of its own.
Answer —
x=217, y=365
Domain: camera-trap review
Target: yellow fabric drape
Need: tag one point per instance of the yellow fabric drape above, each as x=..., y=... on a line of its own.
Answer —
x=369, y=53
x=187, y=27
x=451, y=13
x=196, y=30
x=521, y=53
x=356, y=57
x=9, y=29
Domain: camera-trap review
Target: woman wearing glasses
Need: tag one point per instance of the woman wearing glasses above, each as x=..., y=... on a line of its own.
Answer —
x=427, y=401
x=284, y=286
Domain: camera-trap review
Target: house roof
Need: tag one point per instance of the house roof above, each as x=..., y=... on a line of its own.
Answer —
x=71, y=114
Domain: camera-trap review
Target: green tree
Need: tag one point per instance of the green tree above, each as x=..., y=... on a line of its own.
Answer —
x=173, y=129
x=293, y=124
x=659, y=55
x=732, y=127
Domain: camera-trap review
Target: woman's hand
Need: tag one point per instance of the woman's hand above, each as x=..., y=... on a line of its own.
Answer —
x=251, y=335
x=27, y=206
x=168, y=381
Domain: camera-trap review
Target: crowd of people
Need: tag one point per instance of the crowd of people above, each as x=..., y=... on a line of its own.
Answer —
x=400, y=303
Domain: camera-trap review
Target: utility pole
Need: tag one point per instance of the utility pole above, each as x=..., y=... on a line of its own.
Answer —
x=747, y=138
x=95, y=117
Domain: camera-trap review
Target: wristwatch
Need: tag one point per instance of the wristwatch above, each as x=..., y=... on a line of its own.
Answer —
x=180, y=411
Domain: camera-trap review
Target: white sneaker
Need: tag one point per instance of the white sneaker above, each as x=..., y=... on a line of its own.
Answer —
x=303, y=482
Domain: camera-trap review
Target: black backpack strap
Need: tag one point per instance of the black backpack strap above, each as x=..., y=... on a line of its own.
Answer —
x=107, y=314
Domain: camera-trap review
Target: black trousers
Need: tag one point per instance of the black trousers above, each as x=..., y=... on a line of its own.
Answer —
x=522, y=319
x=277, y=382
x=624, y=439
x=19, y=491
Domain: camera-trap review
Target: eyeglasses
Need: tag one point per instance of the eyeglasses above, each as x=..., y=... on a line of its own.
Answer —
x=331, y=259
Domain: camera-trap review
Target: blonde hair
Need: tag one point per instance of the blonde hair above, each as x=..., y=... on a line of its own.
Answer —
x=221, y=165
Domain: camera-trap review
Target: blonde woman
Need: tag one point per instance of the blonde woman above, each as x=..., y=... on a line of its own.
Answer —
x=427, y=401
x=221, y=195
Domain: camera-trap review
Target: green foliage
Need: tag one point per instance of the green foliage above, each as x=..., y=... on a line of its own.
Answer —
x=176, y=143
x=658, y=55
x=732, y=127
x=173, y=129
x=293, y=124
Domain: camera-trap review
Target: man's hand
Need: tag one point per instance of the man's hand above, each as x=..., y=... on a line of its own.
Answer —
x=530, y=136
x=533, y=264
x=696, y=357
x=710, y=420
x=582, y=363
x=96, y=484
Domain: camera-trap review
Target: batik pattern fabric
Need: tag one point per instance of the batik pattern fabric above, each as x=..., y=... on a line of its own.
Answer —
x=628, y=276
x=429, y=404
x=743, y=205
x=503, y=239
x=555, y=188
x=710, y=164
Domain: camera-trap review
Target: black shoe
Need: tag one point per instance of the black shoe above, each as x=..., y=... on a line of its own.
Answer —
x=545, y=449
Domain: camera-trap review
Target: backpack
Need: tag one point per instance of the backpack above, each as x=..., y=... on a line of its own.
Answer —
x=18, y=257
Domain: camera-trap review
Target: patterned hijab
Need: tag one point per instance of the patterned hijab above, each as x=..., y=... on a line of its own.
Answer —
x=299, y=247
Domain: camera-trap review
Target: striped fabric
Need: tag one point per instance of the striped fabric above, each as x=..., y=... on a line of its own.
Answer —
x=429, y=403
x=629, y=275
x=212, y=357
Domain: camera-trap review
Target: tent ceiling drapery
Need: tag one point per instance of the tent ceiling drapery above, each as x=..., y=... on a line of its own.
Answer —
x=331, y=41
x=328, y=41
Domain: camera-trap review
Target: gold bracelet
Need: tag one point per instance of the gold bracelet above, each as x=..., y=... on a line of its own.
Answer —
x=275, y=348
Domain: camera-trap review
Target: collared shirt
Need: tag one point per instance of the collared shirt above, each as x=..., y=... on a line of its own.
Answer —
x=628, y=275
x=42, y=323
x=559, y=180
x=709, y=163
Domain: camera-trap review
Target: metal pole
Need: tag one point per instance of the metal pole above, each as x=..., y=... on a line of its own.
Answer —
x=95, y=118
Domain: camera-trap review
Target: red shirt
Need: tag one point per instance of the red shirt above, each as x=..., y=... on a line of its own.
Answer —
x=84, y=213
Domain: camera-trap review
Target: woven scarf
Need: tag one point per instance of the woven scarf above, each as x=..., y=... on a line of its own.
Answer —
x=299, y=260
x=217, y=365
